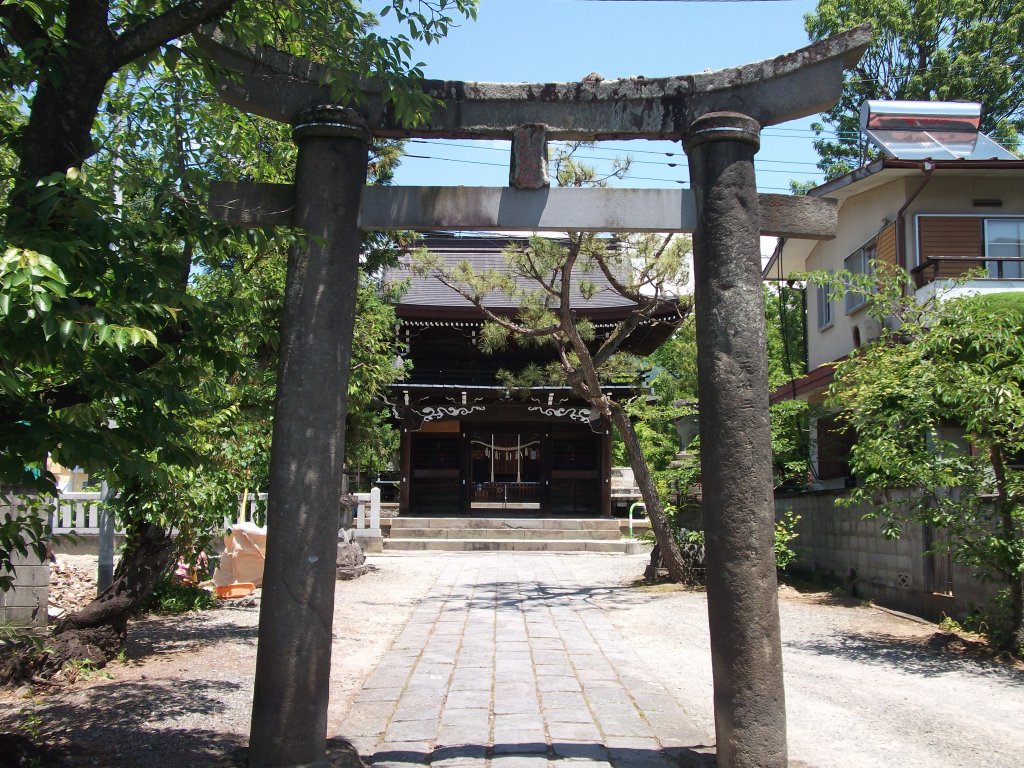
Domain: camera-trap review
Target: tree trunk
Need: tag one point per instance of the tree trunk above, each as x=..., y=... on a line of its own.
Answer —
x=59, y=133
x=1017, y=615
x=74, y=74
x=667, y=544
x=98, y=631
x=1010, y=536
x=69, y=91
x=1008, y=533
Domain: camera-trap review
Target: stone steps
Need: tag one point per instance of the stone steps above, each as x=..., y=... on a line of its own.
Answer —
x=508, y=523
x=514, y=545
x=497, y=534
x=506, y=533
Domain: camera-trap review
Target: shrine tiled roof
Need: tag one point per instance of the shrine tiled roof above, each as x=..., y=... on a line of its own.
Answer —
x=484, y=252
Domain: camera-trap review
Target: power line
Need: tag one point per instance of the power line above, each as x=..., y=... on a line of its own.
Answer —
x=504, y=165
x=604, y=159
x=686, y=1
x=590, y=152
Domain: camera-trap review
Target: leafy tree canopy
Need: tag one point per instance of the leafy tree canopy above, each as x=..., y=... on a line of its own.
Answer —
x=937, y=404
x=941, y=50
x=137, y=338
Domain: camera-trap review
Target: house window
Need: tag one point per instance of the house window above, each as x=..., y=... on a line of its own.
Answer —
x=1004, y=239
x=834, y=442
x=858, y=263
x=824, y=308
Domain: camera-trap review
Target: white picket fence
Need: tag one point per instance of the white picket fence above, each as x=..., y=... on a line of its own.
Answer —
x=79, y=512
x=247, y=512
x=367, y=513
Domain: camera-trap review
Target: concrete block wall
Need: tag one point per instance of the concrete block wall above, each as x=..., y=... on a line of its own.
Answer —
x=27, y=601
x=838, y=546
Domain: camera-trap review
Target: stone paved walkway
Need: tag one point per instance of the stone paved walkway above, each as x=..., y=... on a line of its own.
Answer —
x=508, y=663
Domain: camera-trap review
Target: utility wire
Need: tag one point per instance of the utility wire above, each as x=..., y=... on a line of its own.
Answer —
x=591, y=152
x=604, y=159
x=686, y=1
x=505, y=165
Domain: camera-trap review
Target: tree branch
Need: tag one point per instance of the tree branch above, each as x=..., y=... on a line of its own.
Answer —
x=175, y=22
x=25, y=31
x=615, y=339
x=504, y=322
x=613, y=281
x=73, y=393
x=546, y=284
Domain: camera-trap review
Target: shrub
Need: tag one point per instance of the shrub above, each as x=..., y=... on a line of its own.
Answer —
x=170, y=597
x=785, y=532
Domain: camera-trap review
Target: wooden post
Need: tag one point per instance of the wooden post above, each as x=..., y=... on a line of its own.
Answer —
x=545, y=474
x=606, y=467
x=465, y=474
x=405, y=478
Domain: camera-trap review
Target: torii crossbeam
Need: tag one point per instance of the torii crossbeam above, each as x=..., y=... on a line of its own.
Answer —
x=718, y=117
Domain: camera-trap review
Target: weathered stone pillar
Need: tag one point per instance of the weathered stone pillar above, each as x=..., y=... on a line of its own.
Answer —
x=735, y=451
x=289, y=717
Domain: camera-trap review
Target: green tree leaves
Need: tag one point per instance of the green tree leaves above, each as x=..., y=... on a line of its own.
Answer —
x=937, y=404
x=941, y=50
x=137, y=337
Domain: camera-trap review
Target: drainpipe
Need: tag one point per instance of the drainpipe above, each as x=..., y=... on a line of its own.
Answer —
x=901, y=244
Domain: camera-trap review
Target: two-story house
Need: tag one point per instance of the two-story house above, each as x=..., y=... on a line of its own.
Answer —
x=940, y=200
x=943, y=199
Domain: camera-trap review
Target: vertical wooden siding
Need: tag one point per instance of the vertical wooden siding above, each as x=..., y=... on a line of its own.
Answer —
x=885, y=245
x=959, y=236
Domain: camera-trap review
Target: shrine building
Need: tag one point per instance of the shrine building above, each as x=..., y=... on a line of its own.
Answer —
x=470, y=446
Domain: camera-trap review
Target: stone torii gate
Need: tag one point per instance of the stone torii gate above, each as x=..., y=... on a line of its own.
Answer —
x=718, y=117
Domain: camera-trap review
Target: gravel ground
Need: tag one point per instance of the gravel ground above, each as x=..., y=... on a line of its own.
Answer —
x=864, y=687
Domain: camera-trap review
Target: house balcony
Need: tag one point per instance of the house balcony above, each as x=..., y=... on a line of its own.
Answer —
x=937, y=274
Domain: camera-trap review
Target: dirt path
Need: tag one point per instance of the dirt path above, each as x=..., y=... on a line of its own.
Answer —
x=181, y=696
x=864, y=688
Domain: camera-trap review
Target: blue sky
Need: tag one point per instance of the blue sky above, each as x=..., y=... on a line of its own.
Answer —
x=562, y=40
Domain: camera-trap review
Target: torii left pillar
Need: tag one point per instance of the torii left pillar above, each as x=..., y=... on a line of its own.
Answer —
x=293, y=661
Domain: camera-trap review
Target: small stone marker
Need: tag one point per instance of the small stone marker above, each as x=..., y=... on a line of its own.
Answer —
x=351, y=560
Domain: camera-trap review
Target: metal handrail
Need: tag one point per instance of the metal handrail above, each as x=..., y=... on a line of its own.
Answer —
x=933, y=262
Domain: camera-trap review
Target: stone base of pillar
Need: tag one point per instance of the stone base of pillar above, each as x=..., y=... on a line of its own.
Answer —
x=370, y=539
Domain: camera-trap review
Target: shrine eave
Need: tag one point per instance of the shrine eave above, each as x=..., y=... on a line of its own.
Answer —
x=468, y=316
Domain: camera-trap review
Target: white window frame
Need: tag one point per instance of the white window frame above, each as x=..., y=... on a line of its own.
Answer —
x=993, y=266
x=859, y=263
x=825, y=315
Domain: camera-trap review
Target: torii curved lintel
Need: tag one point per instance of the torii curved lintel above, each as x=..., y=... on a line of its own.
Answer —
x=280, y=86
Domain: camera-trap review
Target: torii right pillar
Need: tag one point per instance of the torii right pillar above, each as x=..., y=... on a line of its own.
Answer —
x=735, y=450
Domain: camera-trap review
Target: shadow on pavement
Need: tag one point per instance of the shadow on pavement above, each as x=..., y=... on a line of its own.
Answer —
x=524, y=754
x=133, y=724
x=908, y=655
x=514, y=594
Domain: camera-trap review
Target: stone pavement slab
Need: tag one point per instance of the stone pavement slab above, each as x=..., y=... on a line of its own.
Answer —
x=508, y=663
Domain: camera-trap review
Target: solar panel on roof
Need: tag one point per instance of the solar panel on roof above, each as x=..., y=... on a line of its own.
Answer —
x=938, y=145
x=923, y=130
